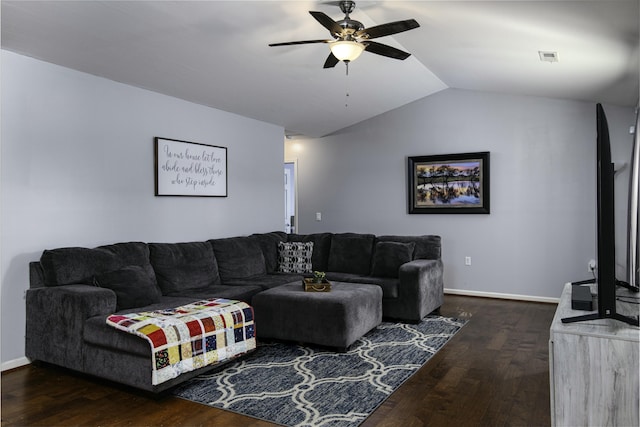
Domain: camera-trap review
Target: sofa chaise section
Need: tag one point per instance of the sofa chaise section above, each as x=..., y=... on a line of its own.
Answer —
x=69, y=301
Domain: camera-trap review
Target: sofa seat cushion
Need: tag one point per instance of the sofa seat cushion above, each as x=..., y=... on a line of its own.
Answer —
x=97, y=332
x=351, y=253
x=389, y=285
x=72, y=266
x=183, y=266
x=389, y=256
x=267, y=281
x=132, y=285
x=238, y=257
x=241, y=293
x=321, y=247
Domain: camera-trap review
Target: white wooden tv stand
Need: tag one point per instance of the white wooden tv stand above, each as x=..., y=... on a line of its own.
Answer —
x=593, y=367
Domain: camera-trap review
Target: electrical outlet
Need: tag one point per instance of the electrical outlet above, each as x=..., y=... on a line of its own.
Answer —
x=592, y=265
x=467, y=260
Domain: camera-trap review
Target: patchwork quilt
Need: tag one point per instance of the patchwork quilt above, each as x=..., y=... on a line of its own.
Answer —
x=189, y=337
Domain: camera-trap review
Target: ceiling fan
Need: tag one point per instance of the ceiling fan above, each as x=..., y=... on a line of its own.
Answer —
x=350, y=37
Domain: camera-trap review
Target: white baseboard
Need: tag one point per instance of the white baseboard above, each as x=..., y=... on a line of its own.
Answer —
x=500, y=296
x=15, y=363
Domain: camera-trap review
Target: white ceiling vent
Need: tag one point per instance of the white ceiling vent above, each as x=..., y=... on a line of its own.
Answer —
x=548, y=56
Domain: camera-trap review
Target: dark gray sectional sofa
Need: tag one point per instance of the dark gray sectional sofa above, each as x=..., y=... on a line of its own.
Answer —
x=73, y=290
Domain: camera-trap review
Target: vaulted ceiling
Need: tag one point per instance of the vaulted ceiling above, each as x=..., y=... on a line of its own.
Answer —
x=216, y=53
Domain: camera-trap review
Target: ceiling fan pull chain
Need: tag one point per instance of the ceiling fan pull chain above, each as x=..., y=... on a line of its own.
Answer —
x=346, y=90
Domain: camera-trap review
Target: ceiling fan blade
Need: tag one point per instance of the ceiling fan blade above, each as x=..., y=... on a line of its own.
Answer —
x=331, y=61
x=385, y=50
x=300, y=42
x=327, y=22
x=388, y=29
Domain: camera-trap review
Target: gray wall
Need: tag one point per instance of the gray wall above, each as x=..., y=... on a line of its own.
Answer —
x=77, y=170
x=541, y=230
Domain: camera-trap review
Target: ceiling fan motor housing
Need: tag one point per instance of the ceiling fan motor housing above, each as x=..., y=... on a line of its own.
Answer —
x=347, y=7
x=350, y=26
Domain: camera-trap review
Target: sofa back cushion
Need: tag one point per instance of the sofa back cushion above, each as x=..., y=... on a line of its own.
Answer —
x=75, y=265
x=389, y=256
x=238, y=257
x=351, y=253
x=321, y=247
x=269, y=244
x=132, y=285
x=184, y=266
x=427, y=246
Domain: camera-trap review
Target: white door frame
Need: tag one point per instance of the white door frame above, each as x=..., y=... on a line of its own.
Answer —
x=295, y=192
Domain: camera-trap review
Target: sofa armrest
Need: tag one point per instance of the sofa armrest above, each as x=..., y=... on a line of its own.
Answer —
x=36, y=275
x=55, y=321
x=421, y=287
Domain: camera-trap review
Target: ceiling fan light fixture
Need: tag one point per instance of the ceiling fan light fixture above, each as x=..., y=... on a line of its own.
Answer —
x=346, y=50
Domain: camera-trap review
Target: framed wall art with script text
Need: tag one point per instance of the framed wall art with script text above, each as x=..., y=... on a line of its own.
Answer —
x=189, y=169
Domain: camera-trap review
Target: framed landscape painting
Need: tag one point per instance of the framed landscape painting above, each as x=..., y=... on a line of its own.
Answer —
x=449, y=183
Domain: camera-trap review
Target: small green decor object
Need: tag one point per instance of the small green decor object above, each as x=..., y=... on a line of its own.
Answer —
x=318, y=276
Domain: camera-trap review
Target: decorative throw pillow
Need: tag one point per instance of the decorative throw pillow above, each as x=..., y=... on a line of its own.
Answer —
x=389, y=256
x=132, y=285
x=295, y=257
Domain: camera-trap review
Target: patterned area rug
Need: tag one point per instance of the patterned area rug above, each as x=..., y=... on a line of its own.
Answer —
x=300, y=386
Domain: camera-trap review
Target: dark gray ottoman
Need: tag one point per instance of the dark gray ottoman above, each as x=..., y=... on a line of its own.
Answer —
x=334, y=319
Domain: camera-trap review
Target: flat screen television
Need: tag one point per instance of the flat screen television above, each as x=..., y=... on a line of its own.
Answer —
x=606, y=260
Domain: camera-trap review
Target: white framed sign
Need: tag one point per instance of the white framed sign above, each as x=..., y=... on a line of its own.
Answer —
x=190, y=169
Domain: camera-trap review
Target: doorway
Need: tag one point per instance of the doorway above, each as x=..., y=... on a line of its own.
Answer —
x=290, y=217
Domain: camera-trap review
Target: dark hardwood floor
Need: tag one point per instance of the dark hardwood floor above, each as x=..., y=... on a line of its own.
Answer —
x=494, y=372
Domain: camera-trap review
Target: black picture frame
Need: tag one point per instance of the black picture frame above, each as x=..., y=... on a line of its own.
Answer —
x=190, y=169
x=449, y=184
